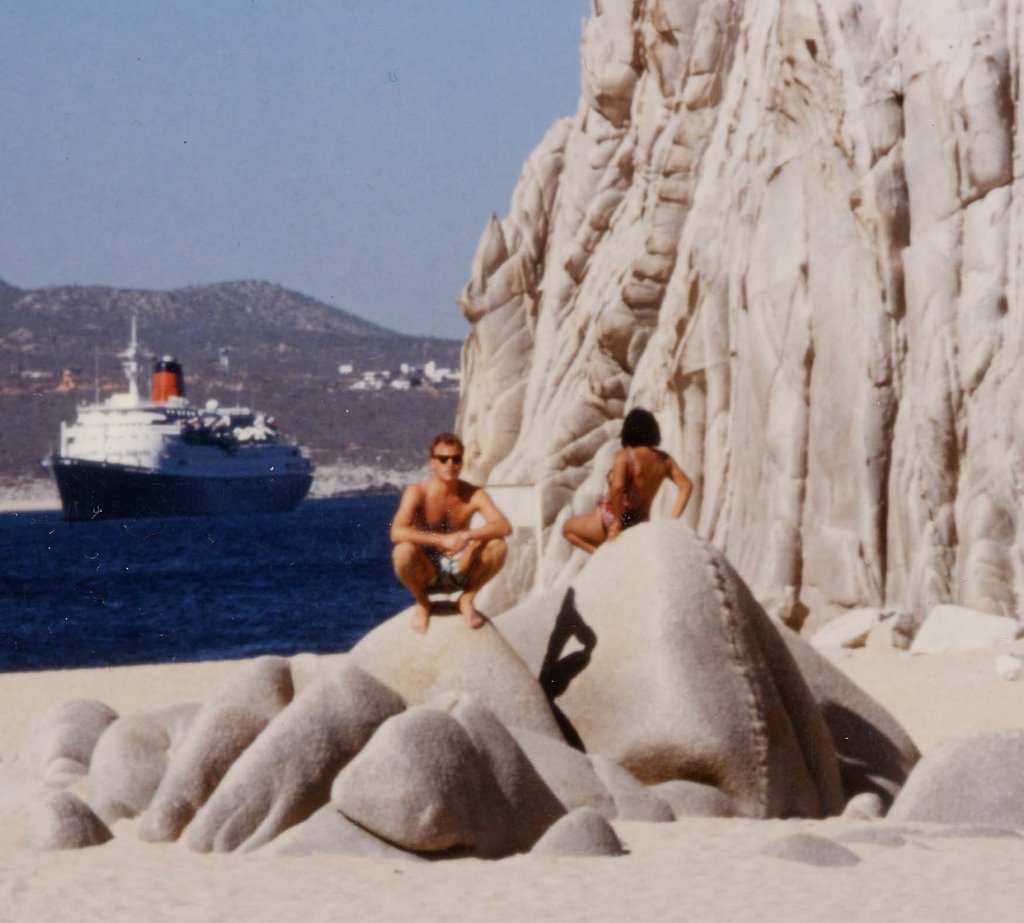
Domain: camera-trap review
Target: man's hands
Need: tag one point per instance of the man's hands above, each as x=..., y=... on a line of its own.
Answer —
x=454, y=542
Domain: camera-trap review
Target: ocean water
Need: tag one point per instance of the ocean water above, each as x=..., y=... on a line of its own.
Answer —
x=116, y=592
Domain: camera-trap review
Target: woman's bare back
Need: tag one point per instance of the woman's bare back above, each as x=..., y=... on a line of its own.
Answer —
x=635, y=479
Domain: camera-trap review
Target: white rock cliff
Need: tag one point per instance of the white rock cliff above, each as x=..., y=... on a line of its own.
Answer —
x=792, y=229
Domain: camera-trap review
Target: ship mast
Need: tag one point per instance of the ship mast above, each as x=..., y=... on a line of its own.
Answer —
x=130, y=364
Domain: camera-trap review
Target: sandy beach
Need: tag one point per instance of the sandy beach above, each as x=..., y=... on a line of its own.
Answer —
x=692, y=869
x=28, y=496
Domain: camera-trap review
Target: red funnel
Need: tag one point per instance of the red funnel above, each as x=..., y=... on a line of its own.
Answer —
x=168, y=380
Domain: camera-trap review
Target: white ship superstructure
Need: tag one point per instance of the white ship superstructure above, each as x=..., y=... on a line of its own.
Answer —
x=131, y=456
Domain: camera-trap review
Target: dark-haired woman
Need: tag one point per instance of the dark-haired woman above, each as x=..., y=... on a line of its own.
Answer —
x=638, y=471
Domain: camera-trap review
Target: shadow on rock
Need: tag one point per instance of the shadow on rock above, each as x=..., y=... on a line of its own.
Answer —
x=560, y=669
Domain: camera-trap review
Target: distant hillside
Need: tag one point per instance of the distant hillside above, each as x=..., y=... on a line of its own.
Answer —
x=283, y=352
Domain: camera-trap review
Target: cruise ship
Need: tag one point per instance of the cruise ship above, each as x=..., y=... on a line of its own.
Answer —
x=136, y=457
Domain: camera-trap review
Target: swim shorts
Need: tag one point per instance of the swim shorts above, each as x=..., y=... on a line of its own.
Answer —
x=447, y=577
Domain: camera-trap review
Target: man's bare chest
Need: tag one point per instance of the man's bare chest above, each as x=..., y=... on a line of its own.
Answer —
x=445, y=514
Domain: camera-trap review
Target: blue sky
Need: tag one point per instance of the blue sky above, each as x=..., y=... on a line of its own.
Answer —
x=351, y=150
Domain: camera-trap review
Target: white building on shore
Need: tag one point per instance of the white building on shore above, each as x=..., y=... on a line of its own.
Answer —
x=409, y=376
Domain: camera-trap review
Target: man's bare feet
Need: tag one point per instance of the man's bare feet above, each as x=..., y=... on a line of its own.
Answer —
x=420, y=618
x=473, y=618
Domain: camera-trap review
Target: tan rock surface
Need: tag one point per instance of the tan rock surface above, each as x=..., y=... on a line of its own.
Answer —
x=792, y=230
x=875, y=752
x=975, y=778
x=453, y=658
x=708, y=865
x=286, y=773
x=131, y=758
x=422, y=785
x=219, y=733
x=56, y=747
x=659, y=658
x=63, y=821
x=583, y=832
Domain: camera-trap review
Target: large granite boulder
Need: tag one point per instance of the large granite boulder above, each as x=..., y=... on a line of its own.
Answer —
x=286, y=774
x=659, y=658
x=131, y=758
x=976, y=778
x=530, y=804
x=220, y=732
x=875, y=753
x=790, y=231
x=452, y=658
x=568, y=773
x=422, y=784
x=56, y=747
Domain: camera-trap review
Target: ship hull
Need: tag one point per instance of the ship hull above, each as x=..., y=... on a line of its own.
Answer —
x=97, y=490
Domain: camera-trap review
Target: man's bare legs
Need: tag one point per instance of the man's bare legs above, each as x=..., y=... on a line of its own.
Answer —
x=481, y=561
x=414, y=569
x=586, y=531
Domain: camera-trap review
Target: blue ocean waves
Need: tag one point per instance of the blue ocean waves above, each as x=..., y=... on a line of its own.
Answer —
x=115, y=592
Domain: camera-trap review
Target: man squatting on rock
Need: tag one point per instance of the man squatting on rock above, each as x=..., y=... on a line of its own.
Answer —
x=436, y=549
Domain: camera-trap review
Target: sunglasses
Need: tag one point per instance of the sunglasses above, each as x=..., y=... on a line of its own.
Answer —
x=454, y=459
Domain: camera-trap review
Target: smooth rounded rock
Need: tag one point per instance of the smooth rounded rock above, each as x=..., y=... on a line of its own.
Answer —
x=421, y=784
x=695, y=683
x=453, y=658
x=582, y=832
x=131, y=758
x=286, y=773
x=957, y=628
x=971, y=779
x=531, y=807
x=329, y=831
x=568, y=773
x=633, y=800
x=56, y=747
x=220, y=732
x=849, y=630
x=694, y=799
x=875, y=753
x=63, y=821
x=865, y=806
x=809, y=849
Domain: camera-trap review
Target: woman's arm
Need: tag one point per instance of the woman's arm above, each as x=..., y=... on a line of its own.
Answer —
x=685, y=486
